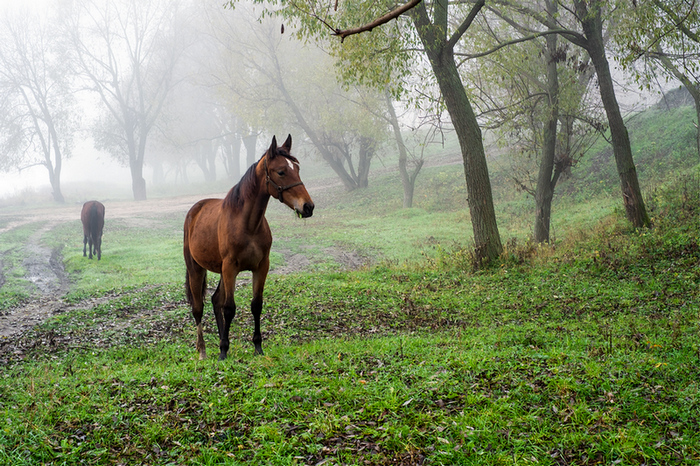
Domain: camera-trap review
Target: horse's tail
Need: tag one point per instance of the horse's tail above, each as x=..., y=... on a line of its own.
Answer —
x=188, y=262
x=94, y=216
x=188, y=290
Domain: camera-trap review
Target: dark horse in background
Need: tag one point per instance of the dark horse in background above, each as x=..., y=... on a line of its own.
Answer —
x=227, y=236
x=93, y=218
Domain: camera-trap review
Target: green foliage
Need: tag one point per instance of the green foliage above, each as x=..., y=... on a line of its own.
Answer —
x=388, y=46
x=657, y=27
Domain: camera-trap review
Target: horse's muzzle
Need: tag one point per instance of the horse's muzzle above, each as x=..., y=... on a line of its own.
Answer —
x=307, y=210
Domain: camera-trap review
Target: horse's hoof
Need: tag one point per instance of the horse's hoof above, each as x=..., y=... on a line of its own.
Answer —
x=202, y=355
x=222, y=356
x=258, y=350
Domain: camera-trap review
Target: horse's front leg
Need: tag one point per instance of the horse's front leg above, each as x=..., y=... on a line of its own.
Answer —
x=85, y=245
x=228, y=277
x=259, y=277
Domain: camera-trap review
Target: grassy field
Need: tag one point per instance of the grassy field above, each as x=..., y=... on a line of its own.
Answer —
x=584, y=352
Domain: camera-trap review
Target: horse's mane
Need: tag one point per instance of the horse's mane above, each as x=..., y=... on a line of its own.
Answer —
x=248, y=184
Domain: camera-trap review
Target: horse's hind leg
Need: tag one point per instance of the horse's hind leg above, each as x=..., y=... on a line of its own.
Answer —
x=217, y=305
x=85, y=240
x=91, y=246
x=228, y=308
x=195, y=283
x=98, y=248
x=256, y=304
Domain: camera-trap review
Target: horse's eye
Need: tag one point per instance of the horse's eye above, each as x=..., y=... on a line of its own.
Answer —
x=280, y=172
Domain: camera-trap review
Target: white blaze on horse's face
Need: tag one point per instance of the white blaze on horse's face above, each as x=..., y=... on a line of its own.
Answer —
x=300, y=201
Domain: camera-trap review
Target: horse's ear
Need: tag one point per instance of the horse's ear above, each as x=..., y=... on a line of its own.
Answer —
x=288, y=143
x=272, y=151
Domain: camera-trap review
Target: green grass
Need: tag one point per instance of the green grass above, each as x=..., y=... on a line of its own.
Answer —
x=584, y=352
x=583, y=355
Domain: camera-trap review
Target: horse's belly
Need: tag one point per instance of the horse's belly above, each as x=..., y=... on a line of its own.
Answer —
x=206, y=254
x=209, y=261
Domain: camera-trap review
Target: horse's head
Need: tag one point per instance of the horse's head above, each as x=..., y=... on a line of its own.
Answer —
x=282, y=178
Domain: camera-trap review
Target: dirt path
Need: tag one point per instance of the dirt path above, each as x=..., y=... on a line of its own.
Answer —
x=44, y=269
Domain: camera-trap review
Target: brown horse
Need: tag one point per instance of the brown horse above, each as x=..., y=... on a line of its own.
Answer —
x=227, y=236
x=93, y=218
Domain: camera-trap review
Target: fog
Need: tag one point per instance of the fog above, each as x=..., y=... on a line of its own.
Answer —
x=173, y=103
x=191, y=98
x=86, y=169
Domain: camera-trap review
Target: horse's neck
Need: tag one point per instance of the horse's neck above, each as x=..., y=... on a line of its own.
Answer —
x=254, y=210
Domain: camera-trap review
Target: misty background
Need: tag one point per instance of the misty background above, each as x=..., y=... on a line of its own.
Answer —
x=141, y=97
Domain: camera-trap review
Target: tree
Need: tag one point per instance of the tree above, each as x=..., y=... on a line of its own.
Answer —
x=591, y=18
x=37, y=113
x=533, y=93
x=127, y=50
x=408, y=177
x=433, y=30
x=666, y=35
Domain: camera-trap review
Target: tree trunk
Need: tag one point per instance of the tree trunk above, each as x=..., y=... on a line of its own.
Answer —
x=544, y=192
x=55, y=173
x=631, y=193
x=487, y=240
x=250, y=142
x=366, y=152
x=56, y=187
x=138, y=183
x=206, y=160
x=233, y=151
x=408, y=180
x=697, y=125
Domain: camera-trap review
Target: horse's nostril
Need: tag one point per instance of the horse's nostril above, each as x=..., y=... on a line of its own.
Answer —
x=308, y=210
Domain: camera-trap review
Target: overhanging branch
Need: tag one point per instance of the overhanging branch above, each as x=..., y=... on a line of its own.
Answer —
x=377, y=22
